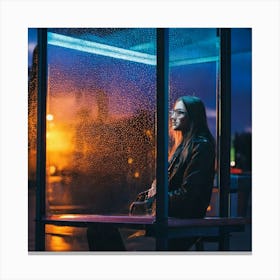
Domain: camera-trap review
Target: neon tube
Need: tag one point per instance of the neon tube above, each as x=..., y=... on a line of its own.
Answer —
x=115, y=52
x=193, y=61
x=99, y=49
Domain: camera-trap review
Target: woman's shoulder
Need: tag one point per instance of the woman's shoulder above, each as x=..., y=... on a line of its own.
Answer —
x=200, y=139
x=202, y=143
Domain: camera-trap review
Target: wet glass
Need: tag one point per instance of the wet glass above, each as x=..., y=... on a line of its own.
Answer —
x=100, y=118
x=32, y=135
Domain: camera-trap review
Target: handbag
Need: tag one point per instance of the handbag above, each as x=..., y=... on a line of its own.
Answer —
x=143, y=204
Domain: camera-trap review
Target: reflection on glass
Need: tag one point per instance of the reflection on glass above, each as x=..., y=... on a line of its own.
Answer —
x=65, y=238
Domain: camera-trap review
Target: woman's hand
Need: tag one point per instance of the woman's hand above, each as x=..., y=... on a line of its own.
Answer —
x=153, y=189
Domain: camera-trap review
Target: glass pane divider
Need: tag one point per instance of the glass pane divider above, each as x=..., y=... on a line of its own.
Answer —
x=162, y=139
x=41, y=140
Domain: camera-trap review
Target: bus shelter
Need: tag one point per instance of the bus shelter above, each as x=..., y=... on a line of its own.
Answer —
x=102, y=99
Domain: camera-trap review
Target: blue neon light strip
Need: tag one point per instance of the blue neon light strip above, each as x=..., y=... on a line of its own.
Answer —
x=100, y=49
x=193, y=61
x=115, y=52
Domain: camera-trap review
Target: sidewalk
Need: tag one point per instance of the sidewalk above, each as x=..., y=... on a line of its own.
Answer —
x=74, y=239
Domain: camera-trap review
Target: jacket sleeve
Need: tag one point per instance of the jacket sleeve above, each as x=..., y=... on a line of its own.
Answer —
x=197, y=179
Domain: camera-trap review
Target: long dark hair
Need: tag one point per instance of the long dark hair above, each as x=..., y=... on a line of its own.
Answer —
x=198, y=125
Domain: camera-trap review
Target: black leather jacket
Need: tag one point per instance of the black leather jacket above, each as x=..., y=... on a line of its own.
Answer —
x=191, y=173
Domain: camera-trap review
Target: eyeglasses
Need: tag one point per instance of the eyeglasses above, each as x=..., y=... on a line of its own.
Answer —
x=177, y=113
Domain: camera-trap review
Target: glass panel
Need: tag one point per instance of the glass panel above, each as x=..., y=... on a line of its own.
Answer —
x=241, y=123
x=100, y=118
x=194, y=54
x=32, y=133
x=194, y=57
x=32, y=107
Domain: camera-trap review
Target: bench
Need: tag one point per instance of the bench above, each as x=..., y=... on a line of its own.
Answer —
x=209, y=228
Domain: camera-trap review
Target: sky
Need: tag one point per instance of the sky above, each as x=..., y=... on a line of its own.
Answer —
x=198, y=79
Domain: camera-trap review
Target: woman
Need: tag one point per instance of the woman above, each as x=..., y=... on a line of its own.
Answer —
x=192, y=161
x=191, y=167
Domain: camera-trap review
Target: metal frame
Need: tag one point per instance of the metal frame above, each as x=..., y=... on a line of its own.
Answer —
x=224, y=130
x=41, y=140
x=162, y=139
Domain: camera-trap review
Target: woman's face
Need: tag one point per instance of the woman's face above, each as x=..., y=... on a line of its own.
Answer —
x=179, y=116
